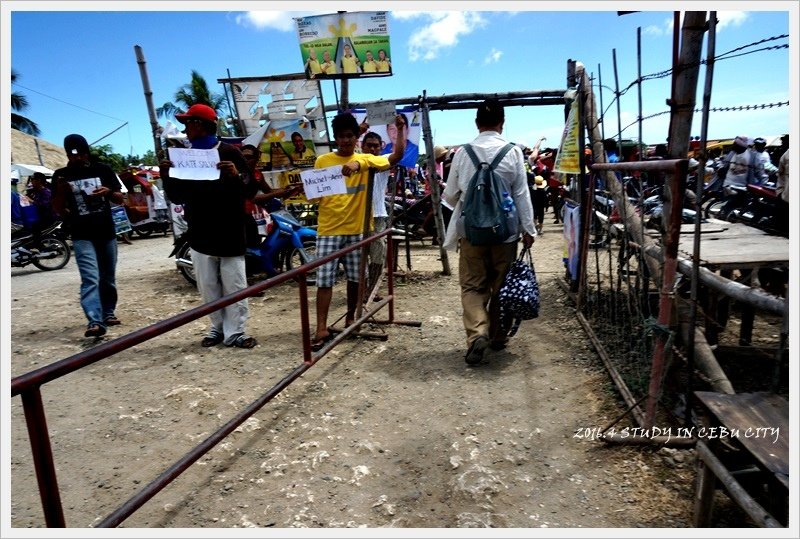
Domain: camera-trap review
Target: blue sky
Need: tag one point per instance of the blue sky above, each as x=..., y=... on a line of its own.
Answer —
x=79, y=73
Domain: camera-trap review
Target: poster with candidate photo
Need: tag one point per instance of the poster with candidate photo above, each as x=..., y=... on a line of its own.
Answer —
x=388, y=133
x=345, y=45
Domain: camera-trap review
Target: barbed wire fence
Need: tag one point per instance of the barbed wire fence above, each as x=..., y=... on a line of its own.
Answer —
x=621, y=300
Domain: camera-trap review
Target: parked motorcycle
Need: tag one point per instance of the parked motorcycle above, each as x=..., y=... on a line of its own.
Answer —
x=759, y=209
x=416, y=216
x=287, y=245
x=52, y=252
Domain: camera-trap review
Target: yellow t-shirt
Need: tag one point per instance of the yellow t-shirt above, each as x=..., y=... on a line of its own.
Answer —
x=313, y=66
x=341, y=215
x=383, y=66
x=328, y=68
x=349, y=64
x=370, y=66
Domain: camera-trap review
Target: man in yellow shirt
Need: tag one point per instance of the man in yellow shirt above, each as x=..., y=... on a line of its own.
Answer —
x=327, y=67
x=350, y=62
x=370, y=65
x=341, y=218
x=312, y=64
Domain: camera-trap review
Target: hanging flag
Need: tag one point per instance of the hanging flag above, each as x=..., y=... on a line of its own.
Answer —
x=567, y=159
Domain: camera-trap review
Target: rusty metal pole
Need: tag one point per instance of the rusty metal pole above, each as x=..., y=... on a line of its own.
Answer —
x=666, y=296
x=43, y=458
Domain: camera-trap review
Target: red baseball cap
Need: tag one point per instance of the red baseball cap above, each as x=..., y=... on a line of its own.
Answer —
x=202, y=112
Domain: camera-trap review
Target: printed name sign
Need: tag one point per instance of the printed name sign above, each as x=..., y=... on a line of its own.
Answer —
x=194, y=164
x=323, y=182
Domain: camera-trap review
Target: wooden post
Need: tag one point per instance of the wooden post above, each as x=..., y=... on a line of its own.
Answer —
x=433, y=179
x=683, y=102
x=148, y=97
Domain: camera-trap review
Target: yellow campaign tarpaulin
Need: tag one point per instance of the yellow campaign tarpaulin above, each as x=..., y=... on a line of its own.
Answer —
x=567, y=159
x=279, y=179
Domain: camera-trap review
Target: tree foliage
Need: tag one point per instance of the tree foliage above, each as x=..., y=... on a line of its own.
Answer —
x=196, y=92
x=19, y=103
x=104, y=154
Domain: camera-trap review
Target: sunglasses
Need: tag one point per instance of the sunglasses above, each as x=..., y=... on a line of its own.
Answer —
x=188, y=121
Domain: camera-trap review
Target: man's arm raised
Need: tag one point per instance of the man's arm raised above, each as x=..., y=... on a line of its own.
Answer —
x=399, y=147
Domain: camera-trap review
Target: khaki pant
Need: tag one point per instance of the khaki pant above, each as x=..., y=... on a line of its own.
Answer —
x=481, y=270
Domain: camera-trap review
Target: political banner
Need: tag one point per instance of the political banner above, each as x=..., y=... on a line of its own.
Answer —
x=388, y=133
x=568, y=157
x=572, y=235
x=345, y=45
x=284, y=144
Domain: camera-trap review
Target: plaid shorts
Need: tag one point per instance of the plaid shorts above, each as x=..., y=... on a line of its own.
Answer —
x=326, y=245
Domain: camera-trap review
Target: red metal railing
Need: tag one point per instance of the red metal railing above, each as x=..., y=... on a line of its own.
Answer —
x=28, y=385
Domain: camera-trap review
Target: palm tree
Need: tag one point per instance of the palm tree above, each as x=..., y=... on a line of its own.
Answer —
x=193, y=93
x=19, y=103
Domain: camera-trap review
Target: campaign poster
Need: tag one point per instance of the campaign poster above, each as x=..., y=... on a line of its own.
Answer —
x=345, y=45
x=284, y=144
x=388, y=133
x=568, y=156
x=572, y=235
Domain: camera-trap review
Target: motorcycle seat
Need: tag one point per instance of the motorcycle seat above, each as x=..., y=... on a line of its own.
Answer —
x=761, y=190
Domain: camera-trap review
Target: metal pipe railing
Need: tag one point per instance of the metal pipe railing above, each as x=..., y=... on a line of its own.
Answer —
x=28, y=385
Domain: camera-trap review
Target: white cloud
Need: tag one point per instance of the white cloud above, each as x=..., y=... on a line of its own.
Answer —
x=276, y=20
x=730, y=18
x=664, y=29
x=724, y=19
x=493, y=56
x=439, y=30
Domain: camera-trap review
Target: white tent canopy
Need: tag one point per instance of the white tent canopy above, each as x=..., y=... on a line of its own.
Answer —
x=28, y=170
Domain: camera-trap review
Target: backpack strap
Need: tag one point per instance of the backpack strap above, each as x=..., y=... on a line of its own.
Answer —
x=497, y=158
x=501, y=154
x=472, y=155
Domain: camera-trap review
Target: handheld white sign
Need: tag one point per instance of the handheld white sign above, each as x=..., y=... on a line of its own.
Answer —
x=194, y=164
x=381, y=113
x=323, y=182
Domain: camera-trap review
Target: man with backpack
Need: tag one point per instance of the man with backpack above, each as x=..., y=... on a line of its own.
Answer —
x=489, y=191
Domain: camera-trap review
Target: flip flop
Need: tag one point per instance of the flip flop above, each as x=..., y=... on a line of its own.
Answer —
x=319, y=344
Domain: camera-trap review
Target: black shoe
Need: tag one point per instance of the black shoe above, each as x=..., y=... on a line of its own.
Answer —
x=95, y=330
x=476, y=351
x=498, y=345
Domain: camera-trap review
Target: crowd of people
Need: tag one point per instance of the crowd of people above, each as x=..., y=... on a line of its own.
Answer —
x=222, y=213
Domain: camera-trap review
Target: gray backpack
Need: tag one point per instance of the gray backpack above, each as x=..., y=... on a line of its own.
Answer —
x=485, y=221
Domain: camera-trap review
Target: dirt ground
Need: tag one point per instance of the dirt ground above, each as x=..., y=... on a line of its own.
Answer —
x=378, y=434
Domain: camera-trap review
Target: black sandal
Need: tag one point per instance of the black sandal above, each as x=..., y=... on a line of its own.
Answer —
x=242, y=341
x=213, y=339
x=319, y=344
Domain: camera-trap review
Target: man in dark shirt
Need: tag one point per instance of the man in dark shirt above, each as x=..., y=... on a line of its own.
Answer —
x=217, y=224
x=82, y=192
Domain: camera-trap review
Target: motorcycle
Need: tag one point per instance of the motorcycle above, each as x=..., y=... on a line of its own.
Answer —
x=759, y=209
x=286, y=245
x=416, y=216
x=51, y=254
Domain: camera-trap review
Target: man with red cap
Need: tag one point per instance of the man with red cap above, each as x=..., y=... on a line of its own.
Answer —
x=217, y=225
x=82, y=192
